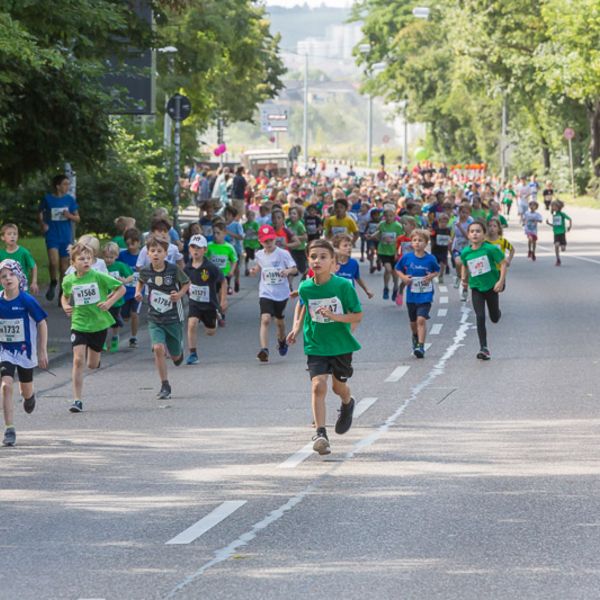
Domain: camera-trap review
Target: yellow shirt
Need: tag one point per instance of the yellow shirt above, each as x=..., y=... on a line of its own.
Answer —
x=333, y=225
x=503, y=244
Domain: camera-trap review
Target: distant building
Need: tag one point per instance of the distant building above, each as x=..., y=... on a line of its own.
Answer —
x=338, y=42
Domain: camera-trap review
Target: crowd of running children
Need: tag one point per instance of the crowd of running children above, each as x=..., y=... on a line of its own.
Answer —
x=410, y=226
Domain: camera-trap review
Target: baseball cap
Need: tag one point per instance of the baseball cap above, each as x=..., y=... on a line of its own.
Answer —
x=199, y=241
x=266, y=232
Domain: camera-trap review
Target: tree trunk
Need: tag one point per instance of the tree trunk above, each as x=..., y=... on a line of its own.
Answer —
x=546, y=156
x=594, y=120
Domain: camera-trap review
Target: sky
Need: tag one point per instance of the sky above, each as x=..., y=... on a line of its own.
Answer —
x=311, y=3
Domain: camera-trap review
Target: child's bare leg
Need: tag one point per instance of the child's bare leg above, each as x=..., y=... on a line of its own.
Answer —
x=342, y=389
x=160, y=361
x=280, y=329
x=77, y=373
x=265, y=323
x=318, y=392
x=421, y=329
x=192, y=332
x=7, y=401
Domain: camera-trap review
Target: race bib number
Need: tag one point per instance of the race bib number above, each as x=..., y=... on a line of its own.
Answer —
x=388, y=237
x=160, y=301
x=199, y=293
x=338, y=230
x=280, y=242
x=419, y=285
x=557, y=221
x=12, y=330
x=372, y=228
x=272, y=276
x=219, y=260
x=58, y=214
x=311, y=228
x=479, y=266
x=406, y=247
x=333, y=304
x=442, y=240
x=531, y=226
x=251, y=234
x=115, y=274
x=86, y=294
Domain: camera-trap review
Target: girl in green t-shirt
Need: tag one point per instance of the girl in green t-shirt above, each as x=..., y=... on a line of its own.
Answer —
x=481, y=274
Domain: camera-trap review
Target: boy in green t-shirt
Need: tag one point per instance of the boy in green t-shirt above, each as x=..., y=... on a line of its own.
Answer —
x=93, y=294
x=387, y=232
x=251, y=243
x=124, y=274
x=10, y=237
x=559, y=228
x=222, y=254
x=332, y=308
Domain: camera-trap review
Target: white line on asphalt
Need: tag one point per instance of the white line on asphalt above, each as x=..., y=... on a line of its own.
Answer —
x=427, y=346
x=571, y=255
x=363, y=406
x=442, y=312
x=435, y=329
x=443, y=288
x=397, y=374
x=295, y=459
x=208, y=522
x=226, y=552
x=443, y=299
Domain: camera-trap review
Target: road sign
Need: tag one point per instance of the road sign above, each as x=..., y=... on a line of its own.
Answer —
x=386, y=139
x=273, y=118
x=179, y=107
x=569, y=133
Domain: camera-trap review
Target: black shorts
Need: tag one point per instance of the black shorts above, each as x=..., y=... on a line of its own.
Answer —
x=274, y=308
x=301, y=260
x=115, y=311
x=207, y=316
x=560, y=239
x=93, y=340
x=387, y=259
x=418, y=310
x=250, y=253
x=339, y=366
x=441, y=254
x=131, y=306
x=7, y=369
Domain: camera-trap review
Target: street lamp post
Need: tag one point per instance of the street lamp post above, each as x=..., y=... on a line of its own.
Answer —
x=305, y=117
x=170, y=52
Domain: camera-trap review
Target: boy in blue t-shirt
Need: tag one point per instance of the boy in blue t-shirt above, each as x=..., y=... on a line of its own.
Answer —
x=417, y=270
x=23, y=340
x=348, y=267
x=131, y=307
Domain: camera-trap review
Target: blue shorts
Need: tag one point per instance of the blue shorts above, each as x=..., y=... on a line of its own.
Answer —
x=61, y=246
x=130, y=306
x=418, y=310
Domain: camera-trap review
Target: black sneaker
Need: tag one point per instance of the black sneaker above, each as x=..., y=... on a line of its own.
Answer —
x=419, y=351
x=484, y=354
x=133, y=342
x=263, y=355
x=178, y=361
x=10, y=437
x=76, y=407
x=165, y=392
x=29, y=404
x=283, y=347
x=344, y=420
x=51, y=291
x=321, y=442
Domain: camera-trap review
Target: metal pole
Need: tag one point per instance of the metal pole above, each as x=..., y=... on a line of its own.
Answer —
x=571, y=166
x=166, y=126
x=503, y=165
x=72, y=190
x=370, y=131
x=177, y=144
x=220, y=138
x=405, y=149
x=305, y=119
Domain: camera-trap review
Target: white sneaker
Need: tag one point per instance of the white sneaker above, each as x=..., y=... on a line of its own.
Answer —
x=456, y=281
x=464, y=295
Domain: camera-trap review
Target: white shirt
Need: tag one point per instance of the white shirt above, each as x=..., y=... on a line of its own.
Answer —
x=99, y=265
x=273, y=285
x=173, y=255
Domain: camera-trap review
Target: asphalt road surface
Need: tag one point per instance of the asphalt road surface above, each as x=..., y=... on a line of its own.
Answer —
x=460, y=479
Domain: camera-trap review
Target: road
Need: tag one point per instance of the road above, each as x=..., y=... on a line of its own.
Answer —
x=460, y=479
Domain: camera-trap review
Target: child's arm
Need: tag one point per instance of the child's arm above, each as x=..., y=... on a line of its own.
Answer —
x=65, y=302
x=407, y=279
x=223, y=296
x=42, y=342
x=363, y=285
x=183, y=290
x=500, y=283
x=34, y=283
x=299, y=313
x=139, y=286
x=570, y=222
x=115, y=295
x=345, y=318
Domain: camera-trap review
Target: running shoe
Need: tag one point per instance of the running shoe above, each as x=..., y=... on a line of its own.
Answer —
x=419, y=351
x=378, y=265
x=10, y=437
x=178, y=361
x=165, y=391
x=344, y=420
x=464, y=295
x=51, y=291
x=557, y=263
x=263, y=355
x=29, y=404
x=133, y=342
x=114, y=344
x=484, y=354
x=76, y=407
x=441, y=278
x=394, y=294
x=529, y=254
x=230, y=291
x=283, y=348
x=371, y=269
x=321, y=442
x=415, y=341
x=386, y=293
x=246, y=272
x=221, y=320
x=192, y=359
x=236, y=287
x=456, y=282
x=362, y=259
x=399, y=298
x=533, y=256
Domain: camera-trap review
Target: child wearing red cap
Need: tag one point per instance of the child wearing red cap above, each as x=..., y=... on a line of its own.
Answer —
x=274, y=265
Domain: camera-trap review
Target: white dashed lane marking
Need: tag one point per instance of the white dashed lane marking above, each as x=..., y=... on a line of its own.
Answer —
x=443, y=299
x=442, y=312
x=435, y=329
x=397, y=374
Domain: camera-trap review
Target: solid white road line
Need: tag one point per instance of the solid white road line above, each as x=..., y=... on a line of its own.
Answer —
x=435, y=329
x=397, y=374
x=295, y=459
x=443, y=299
x=571, y=255
x=208, y=522
x=363, y=406
x=442, y=312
